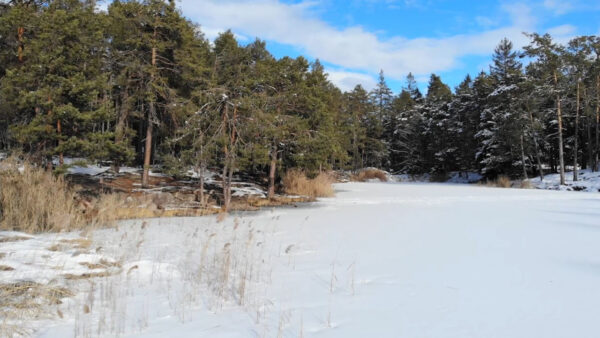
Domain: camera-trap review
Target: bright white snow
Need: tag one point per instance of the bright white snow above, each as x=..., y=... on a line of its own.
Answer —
x=378, y=260
x=587, y=181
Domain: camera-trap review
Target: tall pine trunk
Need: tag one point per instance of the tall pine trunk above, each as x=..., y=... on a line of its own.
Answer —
x=200, y=169
x=200, y=192
x=588, y=127
x=597, y=144
x=21, y=46
x=576, y=144
x=151, y=116
x=224, y=180
x=525, y=177
x=229, y=150
x=61, y=159
x=148, y=148
x=538, y=154
x=561, y=155
x=225, y=159
x=202, y=198
x=121, y=123
x=355, y=155
x=272, y=171
x=229, y=180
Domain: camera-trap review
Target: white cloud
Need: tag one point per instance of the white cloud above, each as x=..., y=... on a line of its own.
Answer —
x=559, y=7
x=102, y=6
x=346, y=80
x=562, y=31
x=485, y=21
x=354, y=48
x=212, y=33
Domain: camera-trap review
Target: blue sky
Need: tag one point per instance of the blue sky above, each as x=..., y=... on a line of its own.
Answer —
x=354, y=39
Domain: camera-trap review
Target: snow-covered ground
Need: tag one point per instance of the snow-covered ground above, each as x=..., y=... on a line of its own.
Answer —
x=587, y=181
x=378, y=260
x=452, y=177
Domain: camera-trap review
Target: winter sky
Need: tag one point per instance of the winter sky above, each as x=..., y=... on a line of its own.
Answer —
x=354, y=39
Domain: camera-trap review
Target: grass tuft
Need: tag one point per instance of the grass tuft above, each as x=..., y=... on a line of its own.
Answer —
x=295, y=182
x=26, y=300
x=35, y=200
x=369, y=174
x=526, y=184
x=500, y=182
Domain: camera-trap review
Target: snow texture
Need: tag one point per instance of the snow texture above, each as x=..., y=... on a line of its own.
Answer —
x=587, y=181
x=378, y=260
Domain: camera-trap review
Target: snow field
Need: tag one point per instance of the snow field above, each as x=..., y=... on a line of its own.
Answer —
x=379, y=259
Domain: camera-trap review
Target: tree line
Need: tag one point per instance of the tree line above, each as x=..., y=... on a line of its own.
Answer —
x=141, y=85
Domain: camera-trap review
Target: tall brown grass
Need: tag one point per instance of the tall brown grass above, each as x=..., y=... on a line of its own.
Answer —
x=295, y=182
x=34, y=200
x=24, y=300
x=500, y=182
x=526, y=184
x=370, y=174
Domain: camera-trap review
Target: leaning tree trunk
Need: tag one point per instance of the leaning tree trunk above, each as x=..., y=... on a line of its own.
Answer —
x=148, y=148
x=21, y=47
x=272, y=171
x=597, y=144
x=561, y=155
x=150, y=126
x=232, y=155
x=61, y=158
x=199, y=193
x=229, y=180
x=576, y=143
x=229, y=151
x=200, y=169
x=202, y=198
x=525, y=177
x=224, y=181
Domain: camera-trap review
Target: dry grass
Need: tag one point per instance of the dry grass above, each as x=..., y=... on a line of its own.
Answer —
x=13, y=239
x=89, y=275
x=526, y=184
x=34, y=200
x=369, y=174
x=102, y=264
x=500, y=182
x=503, y=182
x=26, y=300
x=6, y=268
x=295, y=182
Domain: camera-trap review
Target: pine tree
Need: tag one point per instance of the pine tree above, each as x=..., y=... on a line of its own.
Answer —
x=440, y=128
x=380, y=127
x=60, y=88
x=463, y=109
x=357, y=107
x=548, y=58
x=503, y=120
x=577, y=58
